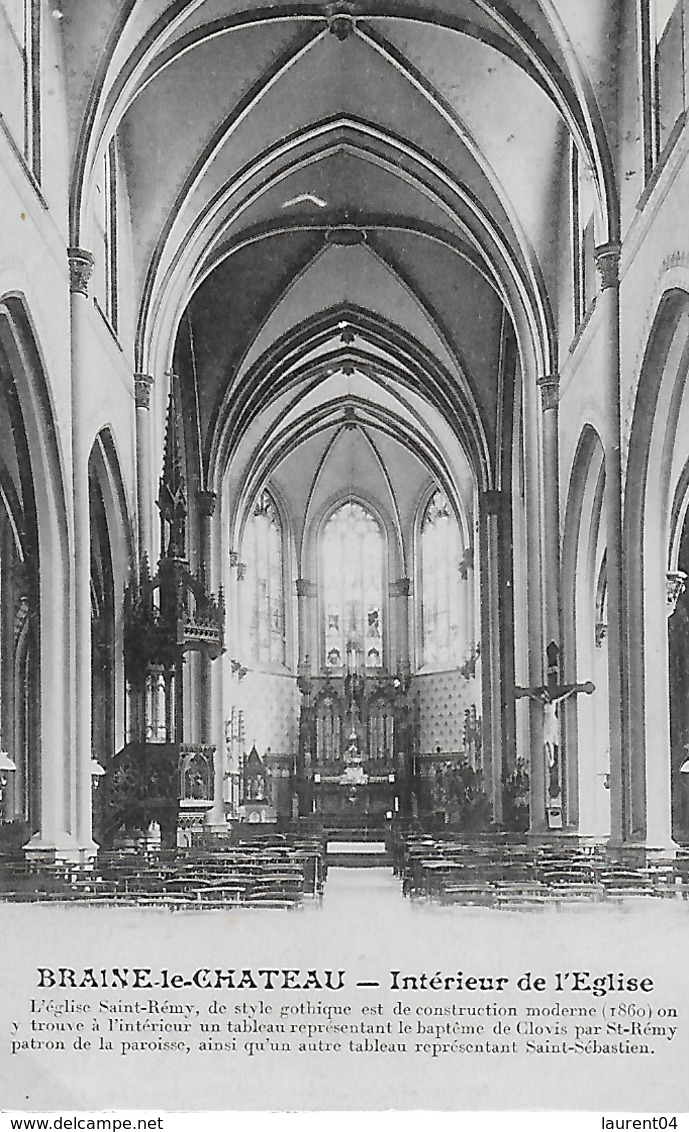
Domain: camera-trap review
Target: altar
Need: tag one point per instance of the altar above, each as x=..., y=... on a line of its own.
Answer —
x=375, y=799
x=354, y=759
x=354, y=791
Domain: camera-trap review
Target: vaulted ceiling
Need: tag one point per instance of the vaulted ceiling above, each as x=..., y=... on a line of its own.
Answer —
x=362, y=188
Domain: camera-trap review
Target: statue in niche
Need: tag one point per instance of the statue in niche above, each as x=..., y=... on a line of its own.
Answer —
x=354, y=774
x=255, y=778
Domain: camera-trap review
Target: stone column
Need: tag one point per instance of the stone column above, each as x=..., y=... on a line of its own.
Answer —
x=532, y=620
x=80, y=270
x=210, y=700
x=549, y=386
x=306, y=592
x=233, y=643
x=143, y=384
x=468, y=591
x=55, y=838
x=206, y=503
x=550, y=397
x=659, y=766
x=302, y=788
x=399, y=592
x=231, y=679
x=492, y=714
x=497, y=640
x=607, y=262
x=14, y=622
x=463, y=631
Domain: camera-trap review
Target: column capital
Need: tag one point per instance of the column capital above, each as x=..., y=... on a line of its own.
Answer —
x=207, y=501
x=80, y=270
x=400, y=588
x=607, y=262
x=676, y=583
x=305, y=588
x=143, y=383
x=549, y=386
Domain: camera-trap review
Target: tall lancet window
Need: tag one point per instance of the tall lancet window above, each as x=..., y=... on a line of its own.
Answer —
x=351, y=561
x=441, y=552
x=265, y=598
x=20, y=51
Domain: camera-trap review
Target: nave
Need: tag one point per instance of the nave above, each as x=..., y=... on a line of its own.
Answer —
x=344, y=533
x=292, y=870
x=344, y=460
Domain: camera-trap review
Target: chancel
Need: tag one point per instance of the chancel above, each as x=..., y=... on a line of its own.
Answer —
x=344, y=468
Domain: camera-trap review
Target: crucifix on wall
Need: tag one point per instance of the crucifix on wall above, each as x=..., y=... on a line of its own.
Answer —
x=550, y=695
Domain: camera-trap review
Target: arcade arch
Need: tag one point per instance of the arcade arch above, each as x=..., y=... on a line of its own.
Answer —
x=658, y=453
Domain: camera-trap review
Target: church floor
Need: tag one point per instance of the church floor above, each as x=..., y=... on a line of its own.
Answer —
x=375, y=895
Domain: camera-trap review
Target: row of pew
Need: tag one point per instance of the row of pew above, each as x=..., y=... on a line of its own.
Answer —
x=453, y=871
x=274, y=872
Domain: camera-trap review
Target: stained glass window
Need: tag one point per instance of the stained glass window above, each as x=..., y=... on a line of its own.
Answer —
x=265, y=603
x=19, y=67
x=105, y=277
x=440, y=583
x=351, y=562
x=662, y=27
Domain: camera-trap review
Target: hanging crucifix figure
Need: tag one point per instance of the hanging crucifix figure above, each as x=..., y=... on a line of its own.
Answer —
x=550, y=695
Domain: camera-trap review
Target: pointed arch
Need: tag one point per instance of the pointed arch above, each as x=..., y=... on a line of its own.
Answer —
x=42, y=726
x=442, y=617
x=392, y=351
x=264, y=546
x=352, y=577
x=112, y=557
x=658, y=452
x=586, y=758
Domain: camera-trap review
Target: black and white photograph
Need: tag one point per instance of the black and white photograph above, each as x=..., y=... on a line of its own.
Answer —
x=344, y=547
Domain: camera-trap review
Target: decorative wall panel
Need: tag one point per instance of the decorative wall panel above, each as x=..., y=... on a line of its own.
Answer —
x=270, y=702
x=440, y=700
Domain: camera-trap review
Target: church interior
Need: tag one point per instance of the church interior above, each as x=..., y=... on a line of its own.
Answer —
x=344, y=488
